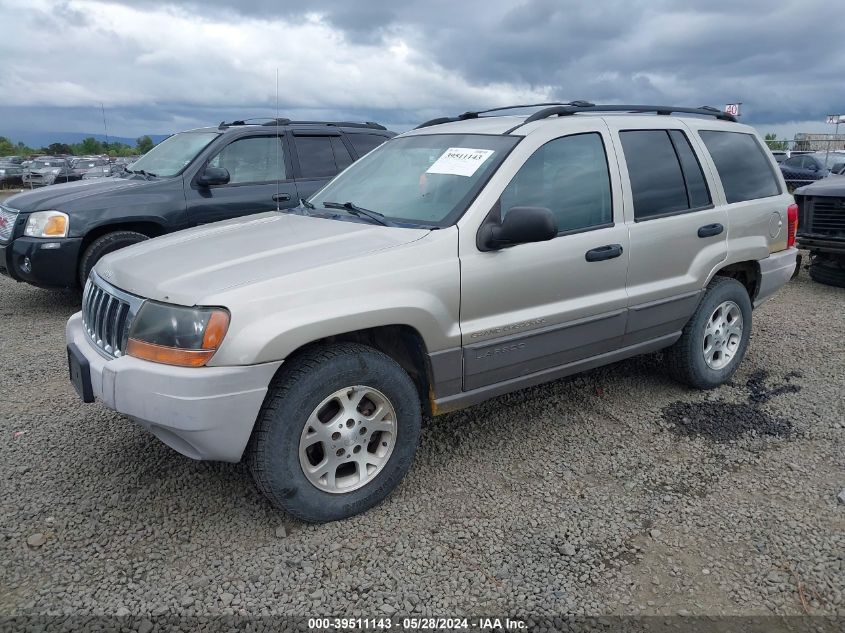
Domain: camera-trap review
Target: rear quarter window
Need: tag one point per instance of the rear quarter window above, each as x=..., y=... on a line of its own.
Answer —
x=365, y=143
x=745, y=171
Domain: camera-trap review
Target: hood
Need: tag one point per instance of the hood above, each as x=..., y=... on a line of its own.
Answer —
x=830, y=186
x=186, y=266
x=65, y=196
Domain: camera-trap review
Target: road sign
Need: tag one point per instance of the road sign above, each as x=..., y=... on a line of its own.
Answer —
x=836, y=118
x=732, y=109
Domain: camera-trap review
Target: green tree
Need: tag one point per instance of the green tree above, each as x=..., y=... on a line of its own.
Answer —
x=773, y=142
x=59, y=148
x=144, y=144
x=6, y=147
x=91, y=145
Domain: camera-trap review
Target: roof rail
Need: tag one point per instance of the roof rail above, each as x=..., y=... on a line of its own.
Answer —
x=271, y=121
x=565, y=110
x=475, y=114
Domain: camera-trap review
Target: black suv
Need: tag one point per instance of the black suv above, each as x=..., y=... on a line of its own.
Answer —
x=54, y=236
x=821, y=228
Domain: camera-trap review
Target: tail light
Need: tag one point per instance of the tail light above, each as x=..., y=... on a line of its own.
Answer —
x=791, y=224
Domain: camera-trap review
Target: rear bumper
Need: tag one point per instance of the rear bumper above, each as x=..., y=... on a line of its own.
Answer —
x=775, y=271
x=203, y=413
x=41, y=262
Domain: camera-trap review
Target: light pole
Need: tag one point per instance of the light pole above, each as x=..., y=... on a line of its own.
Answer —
x=837, y=119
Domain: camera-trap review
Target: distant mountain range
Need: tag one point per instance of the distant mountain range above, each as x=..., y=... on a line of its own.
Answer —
x=43, y=139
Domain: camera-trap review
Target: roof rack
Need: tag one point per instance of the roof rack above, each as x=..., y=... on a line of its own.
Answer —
x=271, y=121
x=475, y=114
x=574, y=107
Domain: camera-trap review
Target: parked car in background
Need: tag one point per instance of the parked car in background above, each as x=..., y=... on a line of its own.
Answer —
x=803, y=169
x=455, y=263
x=192, y=178
x=780, y=155
x=82, y=166
x=821, y=228
x=47, y=170
x=11, y=174
x=101, y=171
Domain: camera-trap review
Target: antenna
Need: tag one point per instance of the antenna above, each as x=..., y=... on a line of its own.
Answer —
x=278, y=141
x=105, y=127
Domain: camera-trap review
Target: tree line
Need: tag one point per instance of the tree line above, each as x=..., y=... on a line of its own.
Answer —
x=88, y=147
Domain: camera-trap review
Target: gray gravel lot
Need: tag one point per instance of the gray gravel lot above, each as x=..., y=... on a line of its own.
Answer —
x=614, y=492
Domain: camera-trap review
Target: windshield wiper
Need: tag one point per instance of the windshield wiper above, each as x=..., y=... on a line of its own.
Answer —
x=355, y=210
x=142, y=172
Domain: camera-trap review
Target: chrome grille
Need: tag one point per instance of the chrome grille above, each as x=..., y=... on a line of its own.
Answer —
x=107, y=315
x=7, y=222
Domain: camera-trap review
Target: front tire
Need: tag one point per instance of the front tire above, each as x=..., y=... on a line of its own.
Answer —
x=336, y=434
x=104, y=245
x=715, y=339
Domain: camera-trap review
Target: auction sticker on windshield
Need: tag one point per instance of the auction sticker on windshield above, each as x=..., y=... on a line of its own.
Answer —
x=460, y=161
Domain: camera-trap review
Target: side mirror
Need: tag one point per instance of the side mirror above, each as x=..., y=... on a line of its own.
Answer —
x=520, y=226
x=213, y=176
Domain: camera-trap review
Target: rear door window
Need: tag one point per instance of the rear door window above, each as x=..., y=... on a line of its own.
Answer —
x=665, y=175
x=342, y=157
x=316, y=156
x=744, y=169
x=364, y=143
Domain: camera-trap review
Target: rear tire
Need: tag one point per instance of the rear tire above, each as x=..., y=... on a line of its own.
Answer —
x=336, y=434
x=828, y=272
x=104, y=245
x=715, y=339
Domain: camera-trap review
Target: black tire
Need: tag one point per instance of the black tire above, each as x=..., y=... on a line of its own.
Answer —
x=302, y=384
x=102, y=246
x=830, y=273
x=685, y=360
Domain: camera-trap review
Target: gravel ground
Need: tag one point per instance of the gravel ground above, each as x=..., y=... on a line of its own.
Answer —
x=614, y=492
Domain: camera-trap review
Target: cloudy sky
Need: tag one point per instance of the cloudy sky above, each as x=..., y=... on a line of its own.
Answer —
x=160, y=66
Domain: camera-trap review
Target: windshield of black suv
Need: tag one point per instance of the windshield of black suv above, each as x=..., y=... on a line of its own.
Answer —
x=173, y=154
x=419, y=180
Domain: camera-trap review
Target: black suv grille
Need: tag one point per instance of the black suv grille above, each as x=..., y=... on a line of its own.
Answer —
x=823, y=216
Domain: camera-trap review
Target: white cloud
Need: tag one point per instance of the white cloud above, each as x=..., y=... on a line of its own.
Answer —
x=123, y=56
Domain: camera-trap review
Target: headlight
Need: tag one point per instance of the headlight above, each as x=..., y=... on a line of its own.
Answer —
x=55, y=171
x=47, y=224
x=2, y=171
x=174, y=335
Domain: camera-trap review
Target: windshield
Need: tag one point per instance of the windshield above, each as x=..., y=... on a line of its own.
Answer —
x=173, y=154
x=84, y=164
x=833, y=158
x=40, y=164
x=428, y=180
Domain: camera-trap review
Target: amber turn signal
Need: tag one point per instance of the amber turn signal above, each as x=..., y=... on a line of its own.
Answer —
x=168, y=355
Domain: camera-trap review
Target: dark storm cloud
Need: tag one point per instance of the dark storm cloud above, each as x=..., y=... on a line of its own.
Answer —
x=784, y=60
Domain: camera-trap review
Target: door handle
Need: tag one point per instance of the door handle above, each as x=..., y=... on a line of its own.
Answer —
x=281, y=197
x=601, y=253
x=709, y=230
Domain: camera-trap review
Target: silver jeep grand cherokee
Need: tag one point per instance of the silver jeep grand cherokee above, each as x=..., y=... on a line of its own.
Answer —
x=462, y=260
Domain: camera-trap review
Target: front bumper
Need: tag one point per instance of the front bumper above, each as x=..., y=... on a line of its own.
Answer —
x=41, y=261
x=775, y=271
x=203, y=413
